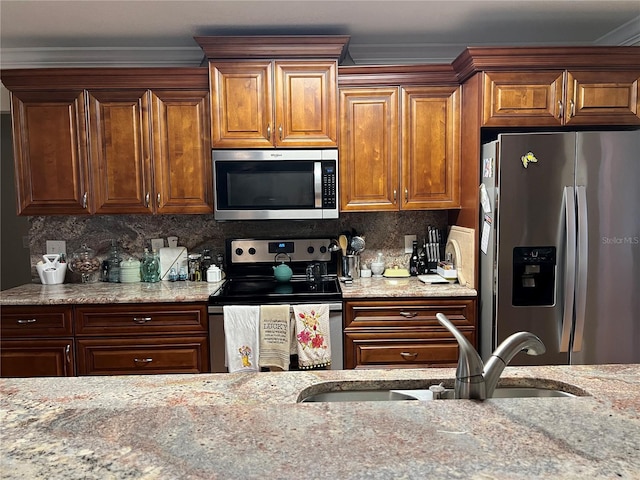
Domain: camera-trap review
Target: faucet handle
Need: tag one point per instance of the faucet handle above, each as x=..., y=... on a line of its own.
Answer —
x=469, y=362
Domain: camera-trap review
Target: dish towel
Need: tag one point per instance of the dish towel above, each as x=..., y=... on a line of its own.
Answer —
x=275, y=337
x=241, y=339
x=312, y=335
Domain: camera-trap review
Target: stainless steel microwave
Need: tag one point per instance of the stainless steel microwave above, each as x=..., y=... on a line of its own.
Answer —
x=275, y=184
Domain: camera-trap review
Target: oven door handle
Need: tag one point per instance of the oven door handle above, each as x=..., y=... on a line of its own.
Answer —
x=333, y=307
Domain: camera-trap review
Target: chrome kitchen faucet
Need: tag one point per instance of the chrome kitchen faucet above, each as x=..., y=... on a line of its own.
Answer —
x=474, y=379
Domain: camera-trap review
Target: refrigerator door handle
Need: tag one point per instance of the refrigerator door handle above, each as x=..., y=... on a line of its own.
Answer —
x=581, y=280
x=570, y=267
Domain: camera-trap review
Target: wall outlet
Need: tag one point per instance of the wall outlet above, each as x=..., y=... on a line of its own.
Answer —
x=56, y=247
x=408, y=243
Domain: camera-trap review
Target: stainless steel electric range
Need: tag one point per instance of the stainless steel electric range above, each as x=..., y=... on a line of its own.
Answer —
x=250, y=280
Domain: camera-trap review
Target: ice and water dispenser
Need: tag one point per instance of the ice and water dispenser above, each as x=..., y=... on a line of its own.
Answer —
x=533, y=276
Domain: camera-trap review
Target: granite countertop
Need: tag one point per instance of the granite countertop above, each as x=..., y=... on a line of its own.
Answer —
x=249, y=426
x=104, y=293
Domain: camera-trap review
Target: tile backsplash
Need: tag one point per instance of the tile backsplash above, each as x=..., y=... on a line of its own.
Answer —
x=383, y=231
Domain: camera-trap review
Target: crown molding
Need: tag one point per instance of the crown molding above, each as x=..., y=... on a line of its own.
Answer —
x=625, y=35
x=100, y=57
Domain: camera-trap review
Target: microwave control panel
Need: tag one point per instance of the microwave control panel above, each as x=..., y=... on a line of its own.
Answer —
x=329, y=179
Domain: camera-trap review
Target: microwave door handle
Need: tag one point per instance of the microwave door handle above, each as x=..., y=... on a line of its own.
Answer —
x=317, y=183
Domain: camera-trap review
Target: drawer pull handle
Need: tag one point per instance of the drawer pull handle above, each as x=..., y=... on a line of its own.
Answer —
x=409, y=314
x=409, y=355
x=67, y=353
x=26, y=321
x=143, y=360
x=141, y=319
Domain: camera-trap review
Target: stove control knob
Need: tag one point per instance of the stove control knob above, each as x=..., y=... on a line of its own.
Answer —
x=310, y=250
x=323, y=249
x=239, y=251
x=252, y=251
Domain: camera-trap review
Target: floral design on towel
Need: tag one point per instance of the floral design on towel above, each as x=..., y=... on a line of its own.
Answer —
x=245, y=353
x=311, y=336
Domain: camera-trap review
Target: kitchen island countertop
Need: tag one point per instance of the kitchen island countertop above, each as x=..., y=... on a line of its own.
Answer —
x=160, y=292
x=249, y=426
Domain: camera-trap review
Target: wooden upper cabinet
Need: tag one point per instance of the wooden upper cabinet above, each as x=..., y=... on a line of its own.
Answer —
x=554, y=98
x=120, y=151
x=388, y=164
x=266, y=104
x=306, y=104
x=430, y=148
x=369, y=129
x=50, y=152
x=523, y=98
x=603, y=98
x=182, y=151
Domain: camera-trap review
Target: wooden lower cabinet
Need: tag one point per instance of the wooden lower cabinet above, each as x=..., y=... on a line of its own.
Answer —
x=404, y=333
x=37, y=341
x=112, y=356
x=139, y=338
x=37, y=358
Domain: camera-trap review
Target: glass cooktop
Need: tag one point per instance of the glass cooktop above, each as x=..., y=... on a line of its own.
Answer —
x=269, y=290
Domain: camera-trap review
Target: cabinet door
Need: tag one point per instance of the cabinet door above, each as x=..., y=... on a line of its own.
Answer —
x=528, y=99
x=306, y=104
x=182, y=152
x=37, y=358
x=241, y=104
x=120, y=151
x=368, y=149
x=430, y=148
x=50, y=152
x=112, y=356
x=603, y=98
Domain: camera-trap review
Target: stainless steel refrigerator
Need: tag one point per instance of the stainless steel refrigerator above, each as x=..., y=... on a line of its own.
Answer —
x=560, y=245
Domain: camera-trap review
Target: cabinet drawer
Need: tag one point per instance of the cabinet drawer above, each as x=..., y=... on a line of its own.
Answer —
x=408, y=314
x=410, y=354
x=138, y=319
x=402, y=348
x=37, y=358
x=49, y=321
x=147, y=355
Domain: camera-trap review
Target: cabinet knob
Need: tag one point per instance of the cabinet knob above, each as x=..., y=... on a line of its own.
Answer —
x=143, y=360
x=280, y=131
x=141, y=319
x=269, y=131
x=158, y=200
x=26, y=321
x=406, y=194
x=395, y=195
x=409, y=355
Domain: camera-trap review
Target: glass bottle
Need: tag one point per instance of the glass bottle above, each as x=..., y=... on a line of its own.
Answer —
x=114, y=263
x=422, y=259
x=413, y=263
x=150, y=267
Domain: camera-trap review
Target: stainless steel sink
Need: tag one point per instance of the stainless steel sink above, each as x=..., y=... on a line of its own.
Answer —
x=358, y=396
x=386, y=394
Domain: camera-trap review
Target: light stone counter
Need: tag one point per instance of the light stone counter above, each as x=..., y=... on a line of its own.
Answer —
x=105, y=293
x=249, y=426
x=409, y=287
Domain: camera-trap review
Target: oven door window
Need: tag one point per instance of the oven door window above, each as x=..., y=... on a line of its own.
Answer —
x=271, y=185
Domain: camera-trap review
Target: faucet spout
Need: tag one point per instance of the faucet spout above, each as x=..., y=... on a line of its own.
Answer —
x=476, y=380
x=508, y=349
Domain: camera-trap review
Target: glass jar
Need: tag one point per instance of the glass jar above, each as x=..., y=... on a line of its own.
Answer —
x=195, y=274
x=150, y=267
x=85, y=264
